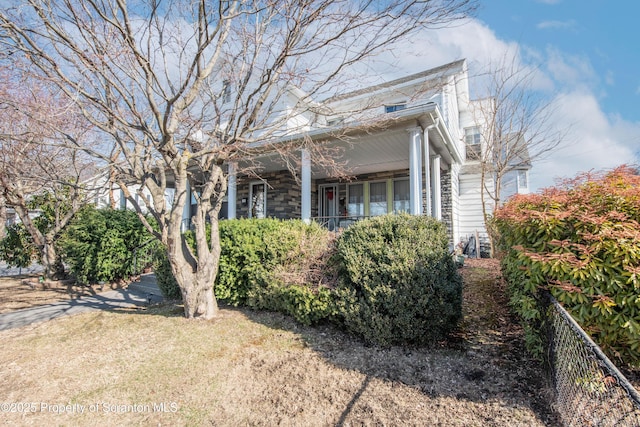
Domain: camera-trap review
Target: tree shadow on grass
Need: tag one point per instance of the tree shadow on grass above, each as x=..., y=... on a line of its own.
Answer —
x=120, y=299
x=489, y=370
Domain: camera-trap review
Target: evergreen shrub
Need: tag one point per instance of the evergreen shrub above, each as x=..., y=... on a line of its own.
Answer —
x=275, y=265
x=99, y=244
x=397, y=282
x=579, y=241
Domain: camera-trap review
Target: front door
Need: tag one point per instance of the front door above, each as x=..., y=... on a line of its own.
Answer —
x=329, y=205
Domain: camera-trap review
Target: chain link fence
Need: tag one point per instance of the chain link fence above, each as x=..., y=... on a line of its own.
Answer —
x=590, y=390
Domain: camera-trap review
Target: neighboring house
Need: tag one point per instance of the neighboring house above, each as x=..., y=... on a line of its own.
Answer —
x=418, y=162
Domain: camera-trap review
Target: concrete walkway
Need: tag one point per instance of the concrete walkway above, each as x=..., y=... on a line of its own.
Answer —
x=137, y=294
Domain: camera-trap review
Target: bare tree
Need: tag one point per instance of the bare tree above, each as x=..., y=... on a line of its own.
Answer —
x=517, y=127
x=3, y=218
x=184, y=87
x=34, y=166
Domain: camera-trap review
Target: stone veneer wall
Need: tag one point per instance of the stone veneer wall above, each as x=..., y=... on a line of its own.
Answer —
x=284, y=195
x=446, y=199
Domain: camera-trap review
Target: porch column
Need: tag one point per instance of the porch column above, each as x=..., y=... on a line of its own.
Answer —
x=186, y=212
x=435, y=184
x=231, y=192
x=427, y=172
x=305, y=177
x=415, y=171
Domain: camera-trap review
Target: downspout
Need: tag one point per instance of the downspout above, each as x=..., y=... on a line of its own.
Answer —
x=427, y=164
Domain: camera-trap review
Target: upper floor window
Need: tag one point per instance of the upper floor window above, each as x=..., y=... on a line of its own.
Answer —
x=473, y=142
x=226, y=91
x=523, y=180
x=394, y=107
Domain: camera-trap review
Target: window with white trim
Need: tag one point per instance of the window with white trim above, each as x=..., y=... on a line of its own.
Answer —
x=523, y=180
x=472, y=140
x=355, y=196
x=392, y=108
x=377, y=198
x=401, y=195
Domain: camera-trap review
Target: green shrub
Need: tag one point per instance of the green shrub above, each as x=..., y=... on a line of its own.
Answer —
x=580, y=242
x=99, y=244
x=269, y=264
x=397, y=283
x=164, y=277
x=17, y=248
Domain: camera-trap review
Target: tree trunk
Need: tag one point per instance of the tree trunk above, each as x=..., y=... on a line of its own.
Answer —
x=53, y=267
x=194, y=270
x=196, y=284
x=3, y=219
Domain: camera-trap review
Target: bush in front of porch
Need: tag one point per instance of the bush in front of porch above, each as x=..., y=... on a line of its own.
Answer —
x=270, y=264
x=397, y=282
x=389, y=280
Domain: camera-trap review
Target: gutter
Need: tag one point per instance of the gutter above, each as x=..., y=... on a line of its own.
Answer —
x=429, y=109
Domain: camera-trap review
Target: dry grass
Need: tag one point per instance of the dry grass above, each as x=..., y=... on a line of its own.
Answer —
x=24, y=291
x=250, y=368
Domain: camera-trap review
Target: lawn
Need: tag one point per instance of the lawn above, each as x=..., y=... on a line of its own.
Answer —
x=153, y=367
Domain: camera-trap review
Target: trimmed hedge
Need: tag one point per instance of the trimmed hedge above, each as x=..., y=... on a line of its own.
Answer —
x=581, y=242
x=268, y=264
x=389, y=280
x=398, y=284
x=262, y=266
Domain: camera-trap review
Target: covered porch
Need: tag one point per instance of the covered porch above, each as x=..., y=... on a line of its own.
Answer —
x=409, y=165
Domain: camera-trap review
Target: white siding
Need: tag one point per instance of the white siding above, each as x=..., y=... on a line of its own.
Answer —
x=470, y=211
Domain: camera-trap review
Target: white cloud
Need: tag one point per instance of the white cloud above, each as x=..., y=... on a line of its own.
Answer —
x=594, y=141
x=609, y=78
x=574, y=71
x=557, y=25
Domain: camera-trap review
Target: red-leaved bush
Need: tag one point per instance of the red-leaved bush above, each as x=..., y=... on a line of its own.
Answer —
x=581, y=241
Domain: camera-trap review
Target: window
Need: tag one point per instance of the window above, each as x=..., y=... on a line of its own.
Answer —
x=473, y=143
x=394, y=107
x=355, y=205
x=257, y=200
x=377, y=198
x=226, y=91
x=401, y=196
x=335, y=121
x=523, y=182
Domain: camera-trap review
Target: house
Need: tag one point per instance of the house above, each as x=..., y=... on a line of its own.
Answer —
x=412, y=148
x=419, y=161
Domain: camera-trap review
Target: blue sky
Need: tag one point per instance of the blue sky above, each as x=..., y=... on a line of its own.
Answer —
x=588, y=59
x=599, y=35
x=589, y=49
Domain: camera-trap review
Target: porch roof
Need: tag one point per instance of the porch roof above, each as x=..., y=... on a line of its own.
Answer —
x=385, y=148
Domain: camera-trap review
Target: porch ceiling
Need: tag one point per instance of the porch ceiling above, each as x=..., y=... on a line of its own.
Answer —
x=384, y=150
